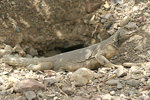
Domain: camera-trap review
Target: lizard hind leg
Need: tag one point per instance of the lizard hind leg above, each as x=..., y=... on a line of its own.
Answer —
x=41, y=66
x=104, y=61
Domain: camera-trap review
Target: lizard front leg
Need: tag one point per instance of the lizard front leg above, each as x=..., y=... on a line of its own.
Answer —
x=41, y=66
x=104, y=61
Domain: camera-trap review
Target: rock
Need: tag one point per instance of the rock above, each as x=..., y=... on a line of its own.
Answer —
x=133, y=82
x=51, y=80
x=147, y=66
x=129, y=64
x=55, y=98
x=143, y=80
x=106, y=97
x=40, y=94
x=28, y=84
x=106, y=5
x=121, y=71
x=10, y=85
x=148, y=83
x=135, y=8
x=30, y=95
x=119, y=1
x=116, y=98
x=82, y=76
x=42, y=66
x=78, y=98
x=112, y=92
x=144, y=98
x=68, y=90
x=134, y=68
x=98, y=99
x=103, y=20
x=125, y=21
x=33, y=52
x=138, y=74
x=13, y=80
x=21, y=98
x=6, y=50
x=107, y=16
x=51, y=95
x=19, y=50
x=131, y=25
x=133, y=92
x=112, y=82
x=108, y=25
x=119, y=86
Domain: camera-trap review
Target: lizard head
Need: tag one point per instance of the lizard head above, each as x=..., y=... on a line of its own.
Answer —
x=126, y=32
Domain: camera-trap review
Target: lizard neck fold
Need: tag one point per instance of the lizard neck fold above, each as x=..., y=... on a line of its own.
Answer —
x=116, y=39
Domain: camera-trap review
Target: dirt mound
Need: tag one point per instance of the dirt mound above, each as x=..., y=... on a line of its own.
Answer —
x=46, y=25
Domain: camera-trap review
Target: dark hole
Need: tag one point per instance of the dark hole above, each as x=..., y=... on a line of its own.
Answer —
x=58, y=50
x=69, y=48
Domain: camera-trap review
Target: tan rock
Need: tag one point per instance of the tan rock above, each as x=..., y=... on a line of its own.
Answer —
x=125, y=21
x=68, y=90
x=18, y=49
x=33, y=52
x=28, y=84
x=6, y=50
x=78, y=98
x=82, y=76
x=121, y=71
x=30, y=95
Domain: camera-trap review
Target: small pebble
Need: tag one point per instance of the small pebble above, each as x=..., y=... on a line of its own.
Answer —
x=112, y=82
x=121, y=71
x=112, y=92
x=68, y=90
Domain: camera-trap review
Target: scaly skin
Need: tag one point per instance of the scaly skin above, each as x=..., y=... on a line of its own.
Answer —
x=90, y=57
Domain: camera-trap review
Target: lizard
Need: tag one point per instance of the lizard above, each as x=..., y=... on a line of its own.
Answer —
x=90, y=57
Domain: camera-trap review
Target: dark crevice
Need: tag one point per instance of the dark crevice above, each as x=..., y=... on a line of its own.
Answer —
x=58, y=50
x=69, y=48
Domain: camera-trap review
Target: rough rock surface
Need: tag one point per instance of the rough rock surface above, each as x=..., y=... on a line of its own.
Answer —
x=134, y=54
x=28, y=84
x=47, y=24
x=82, y=76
